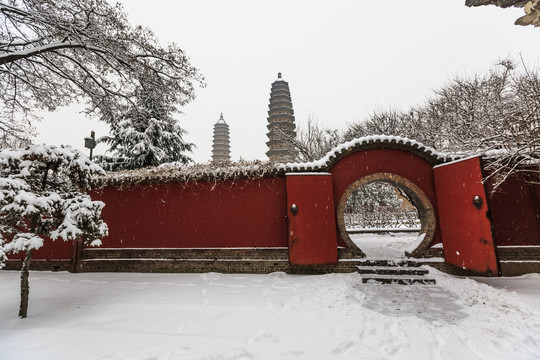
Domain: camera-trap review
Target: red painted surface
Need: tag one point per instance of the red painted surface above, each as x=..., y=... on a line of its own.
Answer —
x=51, y=250
x=312, y=230
x=239, y=213
x=466, y=230
x=515, y=209
x=402, y=163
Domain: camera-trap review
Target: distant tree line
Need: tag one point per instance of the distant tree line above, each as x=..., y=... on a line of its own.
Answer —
x=496, y=115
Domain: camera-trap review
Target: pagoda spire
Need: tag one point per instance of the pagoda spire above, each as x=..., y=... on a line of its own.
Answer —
x=281, y=125
x=221, y=149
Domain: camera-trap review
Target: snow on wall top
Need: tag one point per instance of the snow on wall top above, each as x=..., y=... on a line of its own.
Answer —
x=179, y=173
x=217, y=171
x=372, y=142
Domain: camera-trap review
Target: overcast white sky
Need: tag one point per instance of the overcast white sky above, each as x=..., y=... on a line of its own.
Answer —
x=342, y=59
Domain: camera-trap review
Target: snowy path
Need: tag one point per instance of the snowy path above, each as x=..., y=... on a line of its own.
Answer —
x=213, y=316
x=384, y=245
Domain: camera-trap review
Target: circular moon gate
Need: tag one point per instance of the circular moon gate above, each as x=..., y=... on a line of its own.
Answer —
x=416, y=195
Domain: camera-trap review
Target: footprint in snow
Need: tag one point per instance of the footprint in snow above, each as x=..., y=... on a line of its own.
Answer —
x=345, y=348
x=263, y=336
x=210, y=276
x=293, y=353
x=180, y=328
x=236, y=286
x=240, y=354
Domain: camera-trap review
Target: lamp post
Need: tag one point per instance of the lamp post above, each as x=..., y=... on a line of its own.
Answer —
x=90, y=142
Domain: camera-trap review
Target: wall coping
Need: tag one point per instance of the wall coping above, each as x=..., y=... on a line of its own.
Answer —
x=227, y=170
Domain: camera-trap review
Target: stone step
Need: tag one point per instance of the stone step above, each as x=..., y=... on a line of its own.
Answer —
x=397, y=280
x=391, y=263
x=391, y=270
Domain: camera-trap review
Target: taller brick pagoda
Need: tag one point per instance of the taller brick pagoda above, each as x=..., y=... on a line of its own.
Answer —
x=281, y=126
x=221, y=149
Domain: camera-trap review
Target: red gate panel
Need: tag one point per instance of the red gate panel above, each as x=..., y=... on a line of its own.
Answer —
x=463, y=216
x=312, y=222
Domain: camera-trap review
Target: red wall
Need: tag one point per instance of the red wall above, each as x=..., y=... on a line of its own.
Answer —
x=253, y=212
x=366, y=162
x=239, y=213
x=51, y=250
x=515, y=212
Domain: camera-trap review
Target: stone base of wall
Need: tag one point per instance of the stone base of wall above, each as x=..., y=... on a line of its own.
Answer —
x=221, y=266
x=39, y=265
x=519, y=260
x=516, y=268
x=514, y=261
x=279, y=253
x=518, y=253
x=235, y=260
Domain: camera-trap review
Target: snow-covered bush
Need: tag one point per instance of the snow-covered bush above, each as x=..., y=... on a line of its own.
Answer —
x=42, y=197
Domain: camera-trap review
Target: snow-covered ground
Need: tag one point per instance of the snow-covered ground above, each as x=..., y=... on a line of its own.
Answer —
x=132, y=316
x=389, y=245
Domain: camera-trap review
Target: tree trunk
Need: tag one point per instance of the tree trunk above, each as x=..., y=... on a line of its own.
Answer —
x=25, y=286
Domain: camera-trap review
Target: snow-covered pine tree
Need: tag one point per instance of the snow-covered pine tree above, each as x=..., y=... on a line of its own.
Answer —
x=147, y=134
x=42, y=197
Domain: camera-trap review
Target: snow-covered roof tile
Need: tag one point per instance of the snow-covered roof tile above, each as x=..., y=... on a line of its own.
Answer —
x=378, y=141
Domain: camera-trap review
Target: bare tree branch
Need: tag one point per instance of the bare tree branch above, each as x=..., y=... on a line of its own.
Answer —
x=56, y=52
x=496, y=115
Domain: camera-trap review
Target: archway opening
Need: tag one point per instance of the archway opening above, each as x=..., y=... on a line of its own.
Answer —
x=386, y=216
x=380, y=220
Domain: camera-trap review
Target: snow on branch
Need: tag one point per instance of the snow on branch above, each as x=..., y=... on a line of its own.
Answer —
x=17, y=55
x=56, y=52
x=43, y=195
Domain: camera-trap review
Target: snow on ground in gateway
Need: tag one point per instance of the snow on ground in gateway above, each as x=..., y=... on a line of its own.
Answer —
x=134, y=316
x=386, y=245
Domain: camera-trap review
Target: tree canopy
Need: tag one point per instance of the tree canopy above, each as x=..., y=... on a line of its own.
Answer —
x=530, y=7
x=56, y=52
